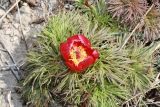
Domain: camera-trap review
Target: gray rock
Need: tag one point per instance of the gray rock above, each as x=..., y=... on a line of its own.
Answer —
x=69, y=7
x=25, y=15
x=5, y=4
x=52, y=5
x=25, y=9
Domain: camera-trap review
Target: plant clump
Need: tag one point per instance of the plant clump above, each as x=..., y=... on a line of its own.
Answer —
x=127, y=11
x=116, y=76
x=142, y=15
x=150, y=26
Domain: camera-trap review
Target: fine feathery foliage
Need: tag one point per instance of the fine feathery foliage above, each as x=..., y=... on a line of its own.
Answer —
x=97, y=12
x=117, y=76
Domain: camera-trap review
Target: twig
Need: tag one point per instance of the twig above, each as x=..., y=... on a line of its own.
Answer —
x=136, y=26
x=139, y=94
x=20, y=21
x=1, y=19
x=4, y=50
x=9, y=99
x=157, y=47
x=156, y=81
x=139, y=99
x=8, y=52
x=15, y=74
x=152, y=102
x=6, y=67
x=2, y=7
x=12, y=59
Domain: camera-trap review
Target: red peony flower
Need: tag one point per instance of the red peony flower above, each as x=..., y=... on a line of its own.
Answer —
x=77, y=53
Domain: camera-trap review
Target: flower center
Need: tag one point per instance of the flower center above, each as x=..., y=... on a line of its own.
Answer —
x=78, y=54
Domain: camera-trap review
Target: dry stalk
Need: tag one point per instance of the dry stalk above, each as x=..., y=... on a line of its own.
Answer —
x=21, y=29
x=16, y=74
x=138, y=95
x=17, y=1
x=136, y=27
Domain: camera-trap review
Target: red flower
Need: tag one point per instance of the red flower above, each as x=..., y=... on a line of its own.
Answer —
x=77, y=53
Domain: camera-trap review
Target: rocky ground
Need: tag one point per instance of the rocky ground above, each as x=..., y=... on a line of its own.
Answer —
x=19, y=27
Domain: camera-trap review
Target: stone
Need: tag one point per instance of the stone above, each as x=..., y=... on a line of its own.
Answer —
x=8, y=31
x=16, y=32
x=32, y=2
x=25, y=15
x=5, y=3
x=16, y=25
x=68, y=6
x=12, y=1
x=2, y=12
x=12, y=39
x=52, y=4
x=8, y=98
x=25, y=9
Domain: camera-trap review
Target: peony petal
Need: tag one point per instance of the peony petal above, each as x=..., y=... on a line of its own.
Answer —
x=86, y=63
x=89, y=50
x=79, y=38
x=95, y=54
x=64, y=50
x=73, y=39
x=72, y=66
x=84, y=41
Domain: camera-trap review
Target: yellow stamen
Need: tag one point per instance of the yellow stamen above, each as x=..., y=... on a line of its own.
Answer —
x=78, y=54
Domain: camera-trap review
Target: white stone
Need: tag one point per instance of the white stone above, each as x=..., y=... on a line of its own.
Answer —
x=8, y=31
x=24, y=15
x=16, y=25
x=25, y=9
x=16, y=31
x=2, y=12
